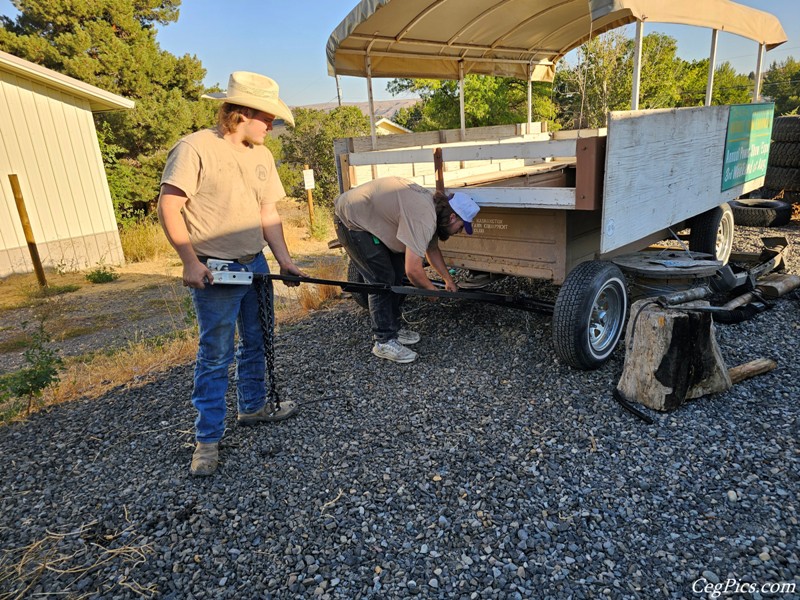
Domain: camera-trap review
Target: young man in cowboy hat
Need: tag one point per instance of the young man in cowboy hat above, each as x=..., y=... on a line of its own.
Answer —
x=218, y=200
x=387, y=226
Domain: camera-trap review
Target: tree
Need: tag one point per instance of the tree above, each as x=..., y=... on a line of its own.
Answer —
x=782, y=85
x=730, y=87
x=602, y=80
x=310, y=142
x=112, y=44
x=487, y=101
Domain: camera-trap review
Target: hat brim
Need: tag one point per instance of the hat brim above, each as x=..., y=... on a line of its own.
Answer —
x=467, y=228
x=277, y=108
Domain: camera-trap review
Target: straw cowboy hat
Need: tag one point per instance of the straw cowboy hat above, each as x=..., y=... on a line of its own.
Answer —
x=254, y=91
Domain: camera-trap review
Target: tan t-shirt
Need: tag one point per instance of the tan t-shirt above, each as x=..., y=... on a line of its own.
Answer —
x=226, y=186
x=398, y=212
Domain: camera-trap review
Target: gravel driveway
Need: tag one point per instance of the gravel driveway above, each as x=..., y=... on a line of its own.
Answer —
x=486, y=469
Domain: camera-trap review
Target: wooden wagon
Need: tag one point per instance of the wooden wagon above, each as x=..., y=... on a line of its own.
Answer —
x=559, y=205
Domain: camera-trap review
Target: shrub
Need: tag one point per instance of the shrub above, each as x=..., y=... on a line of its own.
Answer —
x=102, y=274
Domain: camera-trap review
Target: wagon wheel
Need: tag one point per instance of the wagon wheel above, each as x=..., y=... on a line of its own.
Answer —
x=353, y=276
x=712, y=232
x=589, y=314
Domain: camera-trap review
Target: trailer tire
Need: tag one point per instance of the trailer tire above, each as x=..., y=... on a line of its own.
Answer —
x=353, y=276
x=589, y=314
x=711, y=232
x=786, y=129
x=784, y=154
x=759, y=212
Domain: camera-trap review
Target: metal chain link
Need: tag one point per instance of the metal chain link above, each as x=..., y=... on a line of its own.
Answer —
x=266, y=316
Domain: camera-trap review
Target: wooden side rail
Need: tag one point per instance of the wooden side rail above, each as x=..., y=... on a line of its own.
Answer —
x=531, y=150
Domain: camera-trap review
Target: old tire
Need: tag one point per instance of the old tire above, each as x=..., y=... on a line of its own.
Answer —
x=786, y=129
x=759, y=212
x=589, y=314
x=784, y=154
x=783, y=178
x=711, y=232
x=353, y=276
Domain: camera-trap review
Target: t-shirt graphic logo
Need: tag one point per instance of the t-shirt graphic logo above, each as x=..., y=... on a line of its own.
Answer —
x=261, y=172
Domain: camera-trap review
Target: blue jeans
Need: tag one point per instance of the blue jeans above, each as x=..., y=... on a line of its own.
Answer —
x=221, y=310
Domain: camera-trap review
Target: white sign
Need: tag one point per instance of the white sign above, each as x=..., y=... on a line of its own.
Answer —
x=308, y=178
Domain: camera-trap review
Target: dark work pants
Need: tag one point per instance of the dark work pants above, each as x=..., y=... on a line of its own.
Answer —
x=377, y=264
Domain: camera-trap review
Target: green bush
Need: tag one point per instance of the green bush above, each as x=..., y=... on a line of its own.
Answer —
x=102, y=274
x=43, y=363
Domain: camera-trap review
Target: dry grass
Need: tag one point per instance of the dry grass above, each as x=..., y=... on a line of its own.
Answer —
x=22, y=568
x=20, y=290
x=138, y=364
x=144, y=241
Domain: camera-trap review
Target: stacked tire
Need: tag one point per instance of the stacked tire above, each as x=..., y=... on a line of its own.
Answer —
x=783, y=168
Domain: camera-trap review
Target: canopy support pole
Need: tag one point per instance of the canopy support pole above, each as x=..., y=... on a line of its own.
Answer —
x=759, y=68
x=530, y=98
x=339, y=89
x=637, y=65
x=371, y=103
x=461, y=100
x=712, y=65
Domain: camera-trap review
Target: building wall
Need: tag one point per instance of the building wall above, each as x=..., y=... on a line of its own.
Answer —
x=48, y=139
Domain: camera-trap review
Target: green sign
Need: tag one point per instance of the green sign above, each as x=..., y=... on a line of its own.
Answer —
x=747, y=143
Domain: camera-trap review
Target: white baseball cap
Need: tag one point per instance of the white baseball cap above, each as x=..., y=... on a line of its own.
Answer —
x=466, y=208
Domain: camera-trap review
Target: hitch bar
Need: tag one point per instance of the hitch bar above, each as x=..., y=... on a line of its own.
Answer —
x=221, y=269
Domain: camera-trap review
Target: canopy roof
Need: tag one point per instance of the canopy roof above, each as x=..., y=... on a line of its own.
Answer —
x=428, y=38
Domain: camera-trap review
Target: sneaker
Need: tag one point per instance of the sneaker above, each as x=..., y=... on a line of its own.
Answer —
x=268, y=412
x=407, y=337
x=205, y=459
x=394, y=351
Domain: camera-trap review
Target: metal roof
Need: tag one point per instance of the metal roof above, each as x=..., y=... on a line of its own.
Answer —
x=99, y=100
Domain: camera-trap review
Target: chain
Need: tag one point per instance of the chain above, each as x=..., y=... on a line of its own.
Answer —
x=266, y=316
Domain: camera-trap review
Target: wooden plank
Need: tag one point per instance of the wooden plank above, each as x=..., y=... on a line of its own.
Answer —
x=531, y=150
x=391, y=157
x=523, y=242
x=590, y=161
x=571, y=134
x=516, y=197
x=528, y=172
x=346, y=173
x=662, y=167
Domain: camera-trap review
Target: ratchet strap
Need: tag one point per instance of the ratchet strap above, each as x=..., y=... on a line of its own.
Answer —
x=517, y=301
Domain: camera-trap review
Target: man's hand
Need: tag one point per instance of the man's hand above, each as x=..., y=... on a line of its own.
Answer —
x=197, y=275
x=451, y=286
x=292, y=269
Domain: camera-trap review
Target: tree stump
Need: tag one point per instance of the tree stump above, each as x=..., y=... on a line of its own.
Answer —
x=671, y=356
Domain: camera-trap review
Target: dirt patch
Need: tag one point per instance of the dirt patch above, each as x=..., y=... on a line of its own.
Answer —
x=147, y=300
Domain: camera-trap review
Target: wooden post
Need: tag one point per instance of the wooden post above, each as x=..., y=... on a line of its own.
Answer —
x=26, y=227
x=438, y=166
x=310, y=205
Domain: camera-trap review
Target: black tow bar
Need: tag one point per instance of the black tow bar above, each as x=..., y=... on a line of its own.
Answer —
x=518, y=301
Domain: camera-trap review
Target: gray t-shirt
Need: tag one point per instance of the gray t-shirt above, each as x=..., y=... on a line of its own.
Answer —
x=398, y=212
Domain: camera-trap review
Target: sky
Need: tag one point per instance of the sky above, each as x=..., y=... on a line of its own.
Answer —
x=286, y=40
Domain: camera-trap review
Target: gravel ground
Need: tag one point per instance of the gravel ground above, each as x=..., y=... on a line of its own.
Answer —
x=484, y=470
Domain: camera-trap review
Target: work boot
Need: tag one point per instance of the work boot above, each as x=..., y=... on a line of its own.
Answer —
x=407, y=337
x=394, y=351
x=205, y=459
x=269, y=412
